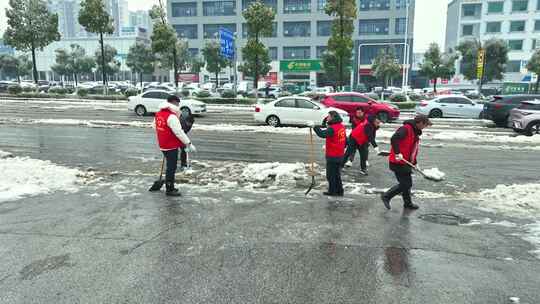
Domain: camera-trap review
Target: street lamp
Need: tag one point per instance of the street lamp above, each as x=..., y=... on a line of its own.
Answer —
x=405, y=76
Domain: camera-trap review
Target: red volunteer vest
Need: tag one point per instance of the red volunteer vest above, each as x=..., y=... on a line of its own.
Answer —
x=359, y=135
x=408, y=147
x=335, y=145
x=167, y=140
x=357, y=121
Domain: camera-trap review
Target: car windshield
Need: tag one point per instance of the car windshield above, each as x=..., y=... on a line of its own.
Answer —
x=530, y=106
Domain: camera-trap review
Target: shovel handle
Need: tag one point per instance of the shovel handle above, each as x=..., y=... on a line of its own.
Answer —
x=414, y=167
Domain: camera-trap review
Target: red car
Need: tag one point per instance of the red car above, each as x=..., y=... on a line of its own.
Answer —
x=350, y=101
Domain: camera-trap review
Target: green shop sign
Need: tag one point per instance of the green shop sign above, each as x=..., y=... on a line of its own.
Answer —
x=304, y=65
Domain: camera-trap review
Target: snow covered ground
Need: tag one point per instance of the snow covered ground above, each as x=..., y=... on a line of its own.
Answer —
x=24, y=176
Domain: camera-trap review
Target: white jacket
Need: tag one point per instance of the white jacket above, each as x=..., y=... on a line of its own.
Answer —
x=174, y=122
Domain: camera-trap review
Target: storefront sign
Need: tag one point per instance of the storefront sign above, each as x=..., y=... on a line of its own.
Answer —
x=272, y=78
x=188, y=77
x=303, y=65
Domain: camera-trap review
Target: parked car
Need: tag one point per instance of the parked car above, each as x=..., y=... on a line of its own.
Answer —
x=294, y=111
x=273, y=92
x=148, y=102
x=526, y=118
x=350, y=101
x=5, y=84
x=498, y=109
x=450, y=106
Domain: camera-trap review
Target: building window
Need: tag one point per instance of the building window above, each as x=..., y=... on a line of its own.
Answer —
x=271, y=3
x=374, y=5
x=296, y=52
x=515, y=45
x=324, y=28
x=400, y=25
x=321, y=4
x=297, y=29
x=537, y=25
x=513, y=66
x=219, y=8
x=517, y=26
x=272, y=51
x=184, y=9
x=538, y=5
x=373, y=27
x=471, y=10
x=534, y=44
x=467, y=30
x=211, y=30
x=370, y=52
x=493, y=27
x=520, y=5
x=188, y=31
x=296, y=6
x=401, y=4
x=194, y=52
x=495, y=7
x=320, y=51
x=245, y=30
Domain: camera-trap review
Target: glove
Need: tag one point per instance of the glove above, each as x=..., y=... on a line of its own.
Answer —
x=310, y=124
x=377, y=150
x=191, y=148
x=399, y=157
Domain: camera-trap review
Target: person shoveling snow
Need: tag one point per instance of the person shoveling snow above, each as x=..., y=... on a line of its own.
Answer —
x=405, y=144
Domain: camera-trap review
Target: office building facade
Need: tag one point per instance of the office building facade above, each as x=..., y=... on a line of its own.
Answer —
x=515, y=21
x=301, y=32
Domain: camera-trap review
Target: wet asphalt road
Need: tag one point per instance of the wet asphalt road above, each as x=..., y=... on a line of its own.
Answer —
x=113, y=242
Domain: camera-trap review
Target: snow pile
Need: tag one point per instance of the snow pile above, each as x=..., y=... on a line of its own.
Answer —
x=533, y=237
x=281, y=173
x=24, y=176
x=4, y=154
x=477, y=136
x=434, y=174
x=248, y=128
x=518, y=199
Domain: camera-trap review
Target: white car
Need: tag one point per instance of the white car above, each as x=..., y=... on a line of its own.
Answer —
x=456, y=106
x=148, y=102
x=294, y=110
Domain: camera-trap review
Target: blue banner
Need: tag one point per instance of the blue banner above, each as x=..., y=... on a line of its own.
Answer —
x=226, y=40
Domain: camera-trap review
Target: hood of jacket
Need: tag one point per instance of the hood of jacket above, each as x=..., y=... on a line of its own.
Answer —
x=170, y=106
x=411, y=122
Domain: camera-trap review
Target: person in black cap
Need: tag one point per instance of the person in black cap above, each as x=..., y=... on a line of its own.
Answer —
x=405, y=144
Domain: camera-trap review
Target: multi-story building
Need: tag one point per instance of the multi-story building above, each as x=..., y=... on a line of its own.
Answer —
x=68, y=14
x=118, y=9
x=140, y=19
x=515, y=21
x=301, y=32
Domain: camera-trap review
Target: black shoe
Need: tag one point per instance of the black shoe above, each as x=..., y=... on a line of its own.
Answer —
x=339, y=194
x=411, y=206
x=173, y=193
x=385, y=201
x=331, y=194
x=364, y=172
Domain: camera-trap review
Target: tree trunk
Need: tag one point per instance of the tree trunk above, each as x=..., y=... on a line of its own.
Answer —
x=537, y=83
x=103, y=72
x=34, y=66
x=175, y=62
x=76, y=79
x=19, y=78
x=217, y=79
x=435, y=85
x=140, y=79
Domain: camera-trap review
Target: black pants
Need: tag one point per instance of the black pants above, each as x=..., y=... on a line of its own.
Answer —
x=333, y=175
x=172, y=162
x=352, y=146
x=183, y=157
x=405, y=183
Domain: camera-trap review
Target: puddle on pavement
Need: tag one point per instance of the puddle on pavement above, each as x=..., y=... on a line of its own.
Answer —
x=444, y=219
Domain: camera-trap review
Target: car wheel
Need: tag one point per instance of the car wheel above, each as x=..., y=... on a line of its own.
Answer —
x=533, y=128
x=436, y=113
x=481, y=115
x=273, y=121
x=185, y=111
x=383, y=116
x=140, y=110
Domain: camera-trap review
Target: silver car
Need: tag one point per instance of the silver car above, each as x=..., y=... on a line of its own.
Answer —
x=526, y=118
x=450, y=106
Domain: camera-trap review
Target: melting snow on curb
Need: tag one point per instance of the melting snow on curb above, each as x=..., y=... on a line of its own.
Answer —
x=24, y=176
x=517, y=199
x=280, y=172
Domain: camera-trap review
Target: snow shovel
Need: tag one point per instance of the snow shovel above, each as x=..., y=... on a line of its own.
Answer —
x=159, y=183
x=312, y=159
x=384, y=153
x=426, y=176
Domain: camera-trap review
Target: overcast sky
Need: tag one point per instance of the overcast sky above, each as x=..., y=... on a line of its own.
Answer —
x=429, y=24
